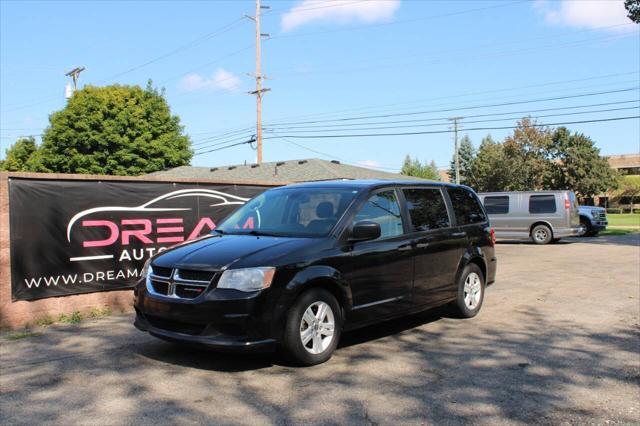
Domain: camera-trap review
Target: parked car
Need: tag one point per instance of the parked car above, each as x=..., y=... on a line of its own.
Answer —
x=543, y=216
x=592, y=220
x=319, y=259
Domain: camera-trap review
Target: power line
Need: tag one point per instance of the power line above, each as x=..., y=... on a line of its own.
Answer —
x=189, y=45
x=250, y=141
x=451, y=131
x=224, y=142
x=423, y=120
x=179, y=49
x=372, y=63
x=466, y=122
x=468, y=107
x=608, y=76
x=331, y=127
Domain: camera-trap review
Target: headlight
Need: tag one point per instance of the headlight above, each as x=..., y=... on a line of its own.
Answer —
x=248, y=279
x=146, y=269
x=594, y=213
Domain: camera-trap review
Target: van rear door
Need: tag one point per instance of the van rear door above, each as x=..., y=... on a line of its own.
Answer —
x=573, y=210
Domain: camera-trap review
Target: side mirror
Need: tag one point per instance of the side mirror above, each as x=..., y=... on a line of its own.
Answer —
x=365, y=231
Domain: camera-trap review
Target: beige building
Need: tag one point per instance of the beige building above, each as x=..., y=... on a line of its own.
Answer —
x=626, y=164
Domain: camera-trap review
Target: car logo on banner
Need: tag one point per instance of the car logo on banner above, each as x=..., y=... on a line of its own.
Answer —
x=144, y=229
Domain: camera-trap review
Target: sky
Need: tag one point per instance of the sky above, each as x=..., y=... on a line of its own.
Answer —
x=396, y=69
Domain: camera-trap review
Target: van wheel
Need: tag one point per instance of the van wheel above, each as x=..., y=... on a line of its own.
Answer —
x=541, y=234
x=312, y=329
x=470, y=295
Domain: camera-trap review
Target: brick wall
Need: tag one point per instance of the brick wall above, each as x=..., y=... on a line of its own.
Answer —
x=20, y=313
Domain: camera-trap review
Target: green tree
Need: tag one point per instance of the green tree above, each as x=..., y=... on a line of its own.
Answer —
x=577, y=165
x=489, y=172
x=417, y=169
x=633, y=7
x=628, y=186
x=466, y=154
x=18, y=156
x=526, y=155
x=114, y=130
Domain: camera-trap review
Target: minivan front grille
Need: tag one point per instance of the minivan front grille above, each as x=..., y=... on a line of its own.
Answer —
x=160, y=287
x=162, y=272
x=189, y=275
x=179, y=283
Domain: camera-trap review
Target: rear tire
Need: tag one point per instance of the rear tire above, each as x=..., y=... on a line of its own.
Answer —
x=470, y=295
x=541, y=234
x=312, y=328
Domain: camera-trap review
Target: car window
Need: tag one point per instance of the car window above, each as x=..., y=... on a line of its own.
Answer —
x=427, y=209
x=384, y=209
x=496, y=204
x=466, y=206
x=542, y=203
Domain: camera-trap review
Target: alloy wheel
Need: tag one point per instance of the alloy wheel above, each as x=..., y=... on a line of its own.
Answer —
x=540, y=234
x=317, y=327
x=472, y=290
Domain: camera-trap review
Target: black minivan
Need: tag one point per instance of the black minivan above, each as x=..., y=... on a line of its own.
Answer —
x=297, y=265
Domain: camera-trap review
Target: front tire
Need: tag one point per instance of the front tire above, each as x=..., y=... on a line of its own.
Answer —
x=313, y=327
x=470, y=295
x=588, y=228
x=541, y=234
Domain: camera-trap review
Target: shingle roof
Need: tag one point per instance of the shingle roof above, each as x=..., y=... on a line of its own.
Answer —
x=312, y=169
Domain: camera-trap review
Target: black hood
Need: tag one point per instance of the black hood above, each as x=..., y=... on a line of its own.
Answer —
x=217, y=251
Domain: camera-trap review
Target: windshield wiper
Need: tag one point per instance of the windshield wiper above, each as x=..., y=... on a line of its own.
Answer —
x=261, y=233
x=219, y=231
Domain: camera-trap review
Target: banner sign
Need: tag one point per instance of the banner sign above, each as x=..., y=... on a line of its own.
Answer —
x=72, y=237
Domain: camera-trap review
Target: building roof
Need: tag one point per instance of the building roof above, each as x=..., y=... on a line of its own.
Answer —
x=624, y=161
x=281, y=172
x=366, y=183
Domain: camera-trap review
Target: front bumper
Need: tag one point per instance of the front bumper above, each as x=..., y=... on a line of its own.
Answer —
x=599, y=225
x=222, y=320
x=218, y=342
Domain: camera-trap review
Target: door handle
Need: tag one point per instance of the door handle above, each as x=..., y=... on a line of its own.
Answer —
x=459, y=234
x=405, y=247
x=422, y=245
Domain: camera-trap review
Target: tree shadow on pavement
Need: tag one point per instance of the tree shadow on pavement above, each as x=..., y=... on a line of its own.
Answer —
x=420, y=369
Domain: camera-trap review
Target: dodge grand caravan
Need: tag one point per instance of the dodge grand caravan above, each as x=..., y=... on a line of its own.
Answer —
x=296, y=266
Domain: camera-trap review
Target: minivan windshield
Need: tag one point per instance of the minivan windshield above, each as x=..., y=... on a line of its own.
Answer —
x=290, y=212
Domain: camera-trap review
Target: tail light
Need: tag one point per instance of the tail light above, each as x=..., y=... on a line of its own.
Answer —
x=492, y=234
x=567, y=203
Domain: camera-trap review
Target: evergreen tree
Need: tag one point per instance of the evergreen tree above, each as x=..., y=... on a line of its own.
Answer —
x=466, y=154
x=415, y=168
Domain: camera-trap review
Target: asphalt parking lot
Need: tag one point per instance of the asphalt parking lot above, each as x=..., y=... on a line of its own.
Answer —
x=557, y=341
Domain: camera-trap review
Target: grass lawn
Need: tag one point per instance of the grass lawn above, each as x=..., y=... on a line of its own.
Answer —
x=627, y=220
x=619, y=231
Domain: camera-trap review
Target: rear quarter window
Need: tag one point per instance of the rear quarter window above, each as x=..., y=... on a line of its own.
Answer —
x=542, y=203
x=427, y=209
x=466, y=206
x=497, y=204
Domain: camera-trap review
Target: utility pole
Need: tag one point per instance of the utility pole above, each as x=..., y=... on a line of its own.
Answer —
x=457, y=156
x=74, y=74
x=259, y=77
